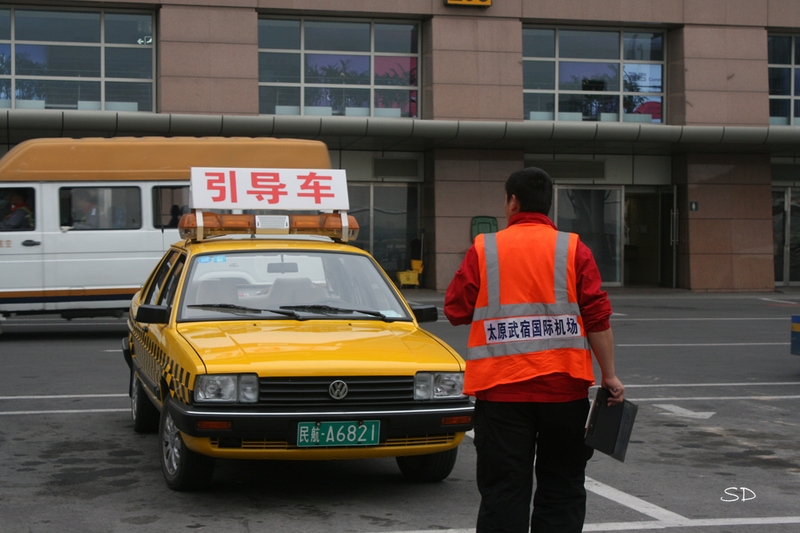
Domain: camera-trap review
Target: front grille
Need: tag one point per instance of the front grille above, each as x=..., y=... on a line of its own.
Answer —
x=313, y=391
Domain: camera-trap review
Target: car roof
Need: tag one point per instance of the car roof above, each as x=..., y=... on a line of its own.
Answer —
x=244, y=243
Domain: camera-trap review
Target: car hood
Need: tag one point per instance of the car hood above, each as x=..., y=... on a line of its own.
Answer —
x=282, y=348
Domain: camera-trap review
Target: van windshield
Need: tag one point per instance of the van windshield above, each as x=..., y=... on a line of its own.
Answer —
x=297, y=284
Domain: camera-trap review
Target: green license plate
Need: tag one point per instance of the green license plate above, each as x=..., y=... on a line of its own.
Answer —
x=364, y=433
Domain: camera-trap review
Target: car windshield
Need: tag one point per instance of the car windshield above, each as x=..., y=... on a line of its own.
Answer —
x=300, y=285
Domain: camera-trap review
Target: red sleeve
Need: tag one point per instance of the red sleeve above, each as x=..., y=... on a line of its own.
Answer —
x=593, y=301
x=461, y=295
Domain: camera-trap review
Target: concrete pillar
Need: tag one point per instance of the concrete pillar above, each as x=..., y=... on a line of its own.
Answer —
x=466, y=184
x=725, y=222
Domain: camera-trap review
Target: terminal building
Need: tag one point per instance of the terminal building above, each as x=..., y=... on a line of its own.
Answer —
x=671, y=127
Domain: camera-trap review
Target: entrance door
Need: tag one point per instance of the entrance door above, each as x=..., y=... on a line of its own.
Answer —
x=596, y=215
x=388, y=218
x=786, y=235
x=651, y=236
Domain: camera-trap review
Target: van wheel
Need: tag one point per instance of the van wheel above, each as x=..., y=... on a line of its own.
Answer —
x=428, y=468
x=143, y=412
x=183, y=469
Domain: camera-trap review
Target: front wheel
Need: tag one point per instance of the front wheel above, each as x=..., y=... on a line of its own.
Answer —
x=143, y=413
x=428, y=468
x=183, y=469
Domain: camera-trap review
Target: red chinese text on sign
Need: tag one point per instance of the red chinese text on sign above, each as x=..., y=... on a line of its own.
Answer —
x=259, y=188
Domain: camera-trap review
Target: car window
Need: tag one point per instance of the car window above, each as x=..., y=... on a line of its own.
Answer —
x=171, y=284
x=100, y=208
x=17, y=209
x=274, y=280
x=157, y=280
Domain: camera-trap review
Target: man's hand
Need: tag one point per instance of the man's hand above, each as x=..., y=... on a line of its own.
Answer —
x=615, y=388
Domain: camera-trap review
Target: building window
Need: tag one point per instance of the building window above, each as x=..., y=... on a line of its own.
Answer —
x=594, y=75
x=90, y=60
x=322, y=67
x=784, y=80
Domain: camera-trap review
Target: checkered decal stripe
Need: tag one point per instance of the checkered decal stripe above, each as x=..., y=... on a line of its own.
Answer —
x=157, y=365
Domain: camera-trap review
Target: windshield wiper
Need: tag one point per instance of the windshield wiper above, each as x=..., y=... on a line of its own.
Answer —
x=232, y=308
x=330, y=309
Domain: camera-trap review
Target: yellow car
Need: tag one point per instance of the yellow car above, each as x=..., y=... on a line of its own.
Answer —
x=285, y=346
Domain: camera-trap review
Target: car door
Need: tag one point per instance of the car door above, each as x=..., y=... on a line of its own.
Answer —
x=21, y=248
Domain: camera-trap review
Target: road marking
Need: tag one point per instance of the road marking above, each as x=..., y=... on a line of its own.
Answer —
x=703, y=319
x=62, y=396
x=749, y=384
x=713, y=398
x=707, y=344
x=790, y=302
x=64, y=412
x=685, y=413
x=632, y=502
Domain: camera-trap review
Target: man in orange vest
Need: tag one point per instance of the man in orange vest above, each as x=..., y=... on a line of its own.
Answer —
x=532, y=296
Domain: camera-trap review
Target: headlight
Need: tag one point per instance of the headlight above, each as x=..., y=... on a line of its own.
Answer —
x=438, y=385
x=226, y=388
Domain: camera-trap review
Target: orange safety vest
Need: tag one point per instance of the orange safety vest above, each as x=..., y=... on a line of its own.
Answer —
x=527, y=321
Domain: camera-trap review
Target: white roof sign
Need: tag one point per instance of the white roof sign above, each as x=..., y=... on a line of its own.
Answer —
x=269, y=188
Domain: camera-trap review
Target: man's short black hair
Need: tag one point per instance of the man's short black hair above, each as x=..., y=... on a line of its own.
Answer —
x=533, y=188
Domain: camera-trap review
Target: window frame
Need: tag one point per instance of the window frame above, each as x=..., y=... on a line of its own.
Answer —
x=349, y=90
x=102, y=212
x=618, y=97
x=793, y=93
x=100, y=87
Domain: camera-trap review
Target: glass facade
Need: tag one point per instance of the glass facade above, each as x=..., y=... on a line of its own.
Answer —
x=593, y=75
x=91, y=60
x=316, y=67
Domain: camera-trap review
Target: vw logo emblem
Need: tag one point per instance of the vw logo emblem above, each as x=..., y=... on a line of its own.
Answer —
x=338, y=389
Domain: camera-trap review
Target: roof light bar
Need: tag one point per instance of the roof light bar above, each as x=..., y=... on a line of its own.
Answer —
x=199, y=225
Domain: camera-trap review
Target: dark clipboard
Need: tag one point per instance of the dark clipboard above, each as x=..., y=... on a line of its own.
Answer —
x=609, y=427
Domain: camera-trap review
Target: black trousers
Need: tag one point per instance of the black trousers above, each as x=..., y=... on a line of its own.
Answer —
x=508, y=437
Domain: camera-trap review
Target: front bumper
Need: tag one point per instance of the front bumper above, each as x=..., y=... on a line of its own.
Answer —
x=257, y=434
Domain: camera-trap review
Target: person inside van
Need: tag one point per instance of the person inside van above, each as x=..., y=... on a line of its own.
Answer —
x=84, y=209
x=19, y=217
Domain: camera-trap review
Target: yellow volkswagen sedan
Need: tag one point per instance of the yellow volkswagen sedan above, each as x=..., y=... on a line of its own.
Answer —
x=292, y=346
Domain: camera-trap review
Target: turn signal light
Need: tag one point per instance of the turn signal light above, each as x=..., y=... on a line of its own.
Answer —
x=214, y=424
x=456, y=420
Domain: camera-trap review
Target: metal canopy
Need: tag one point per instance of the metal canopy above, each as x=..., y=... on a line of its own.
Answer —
x=397, y=134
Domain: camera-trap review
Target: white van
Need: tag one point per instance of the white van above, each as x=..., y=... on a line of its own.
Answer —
x=84, y=221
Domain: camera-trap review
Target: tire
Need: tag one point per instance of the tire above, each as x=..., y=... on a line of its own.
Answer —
x=428, y=468
x=144, y=414
x=183, y=469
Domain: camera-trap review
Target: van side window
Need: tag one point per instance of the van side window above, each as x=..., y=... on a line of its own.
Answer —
x=169, y=204
x=101, y=208
x=158, y=280
x=17, y=209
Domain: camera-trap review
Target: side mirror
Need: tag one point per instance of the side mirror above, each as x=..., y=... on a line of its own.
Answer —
x=425, y=313
x=152, y=314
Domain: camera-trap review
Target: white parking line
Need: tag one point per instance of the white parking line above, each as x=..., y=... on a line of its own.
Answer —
x=684, y=345
x=748, y=384
x=701, y=319
x=64, y=412
x=666, y=519
x=632, y=502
